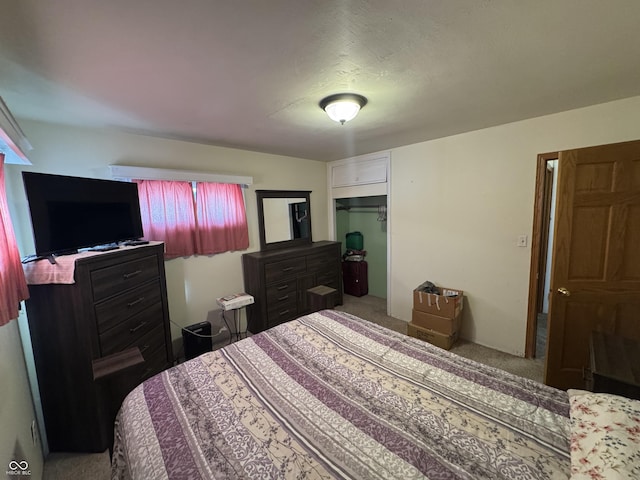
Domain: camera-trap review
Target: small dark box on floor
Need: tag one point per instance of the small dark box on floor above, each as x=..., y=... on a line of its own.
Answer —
x=321, y=297
x=196, y=339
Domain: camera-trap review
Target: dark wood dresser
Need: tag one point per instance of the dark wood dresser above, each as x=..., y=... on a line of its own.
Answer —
x=615, y=365
x=95, y=340
x=279, y=280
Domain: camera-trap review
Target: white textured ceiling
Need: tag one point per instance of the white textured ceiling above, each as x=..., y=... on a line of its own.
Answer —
x=250, y=73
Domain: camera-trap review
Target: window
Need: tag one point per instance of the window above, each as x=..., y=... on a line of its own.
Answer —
x=193, y=218
x=221, y=218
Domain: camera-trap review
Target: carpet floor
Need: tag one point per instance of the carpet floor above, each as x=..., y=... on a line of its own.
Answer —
x=95, y=466
x=375, y=309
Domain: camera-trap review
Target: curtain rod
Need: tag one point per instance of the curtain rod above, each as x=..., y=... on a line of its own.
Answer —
x=126, y=172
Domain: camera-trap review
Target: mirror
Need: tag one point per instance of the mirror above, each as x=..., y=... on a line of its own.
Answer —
x=284, y=218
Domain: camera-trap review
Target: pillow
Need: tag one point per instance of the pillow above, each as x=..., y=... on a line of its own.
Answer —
x=605, y=436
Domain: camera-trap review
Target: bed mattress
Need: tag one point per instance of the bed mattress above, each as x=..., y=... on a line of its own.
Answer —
x=330, y=395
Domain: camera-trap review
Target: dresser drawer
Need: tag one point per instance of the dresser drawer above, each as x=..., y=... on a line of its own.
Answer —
x=320, y=261
x=330, y=278
x=150, y=342
x=282, y=302
x=131, y=330
x=277, y=271
x=154, y=362
x=281, y=292
x=117, y=278
x=117, y=309
x=282, y=312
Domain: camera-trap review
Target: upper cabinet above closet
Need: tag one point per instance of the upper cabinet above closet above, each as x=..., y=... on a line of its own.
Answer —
x=361, y=172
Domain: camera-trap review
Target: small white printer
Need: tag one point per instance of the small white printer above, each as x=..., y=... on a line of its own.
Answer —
x=237, y=300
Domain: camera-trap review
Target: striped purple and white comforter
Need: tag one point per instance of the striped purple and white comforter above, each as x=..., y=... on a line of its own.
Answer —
x=333, y=396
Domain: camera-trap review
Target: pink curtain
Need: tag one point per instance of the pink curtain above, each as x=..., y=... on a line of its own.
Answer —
x=13, y=286
x=221, y=218
x=167, y=211
x=216, y=223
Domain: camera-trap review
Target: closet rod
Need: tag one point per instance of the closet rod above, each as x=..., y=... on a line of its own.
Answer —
x=359, y=206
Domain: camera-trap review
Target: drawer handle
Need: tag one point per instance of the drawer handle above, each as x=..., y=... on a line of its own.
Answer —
x=282, y=287
x=127, y=276
x=144, y=349
x=284, y=312
x=138, y=327
x=284, y=297
x=287, y=269
x=135, y=302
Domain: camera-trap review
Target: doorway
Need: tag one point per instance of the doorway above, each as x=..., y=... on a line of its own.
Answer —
x=367, y=215
x=595, y=270
x=541, y=254
x=359, y=190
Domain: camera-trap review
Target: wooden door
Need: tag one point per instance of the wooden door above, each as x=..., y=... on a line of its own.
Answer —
x=595, y=277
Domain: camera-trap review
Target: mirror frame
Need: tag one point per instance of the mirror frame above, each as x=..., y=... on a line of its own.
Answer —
x=294, y=242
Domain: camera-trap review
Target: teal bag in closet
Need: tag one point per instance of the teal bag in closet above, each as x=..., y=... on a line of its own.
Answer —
x=355, y=241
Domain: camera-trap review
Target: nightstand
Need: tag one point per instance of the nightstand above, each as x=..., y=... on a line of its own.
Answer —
x=615, y=365
x=235, y=302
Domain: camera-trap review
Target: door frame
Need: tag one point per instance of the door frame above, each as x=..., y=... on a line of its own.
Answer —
x=539, y=244
x=377, y=183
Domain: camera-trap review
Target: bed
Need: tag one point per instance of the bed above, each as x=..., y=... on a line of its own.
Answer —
x=330, y=395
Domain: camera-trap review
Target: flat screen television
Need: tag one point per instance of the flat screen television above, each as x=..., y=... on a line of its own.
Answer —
x=70, y=213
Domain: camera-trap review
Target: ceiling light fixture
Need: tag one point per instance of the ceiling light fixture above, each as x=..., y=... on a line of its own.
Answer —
x=343, y=107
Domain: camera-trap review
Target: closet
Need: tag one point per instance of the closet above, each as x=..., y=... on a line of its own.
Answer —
x=367, y=215
x=359, y=199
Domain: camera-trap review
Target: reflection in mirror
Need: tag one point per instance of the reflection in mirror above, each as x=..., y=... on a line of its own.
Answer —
x=285, y=218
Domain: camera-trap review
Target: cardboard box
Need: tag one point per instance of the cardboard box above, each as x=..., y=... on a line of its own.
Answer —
x=445, y=325
x=438, y=339
x=443, y=305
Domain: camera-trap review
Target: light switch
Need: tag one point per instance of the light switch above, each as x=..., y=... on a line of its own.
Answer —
x=522, y=241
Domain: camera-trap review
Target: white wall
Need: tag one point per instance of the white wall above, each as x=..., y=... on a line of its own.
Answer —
x=16, y=407
x=459, y=203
